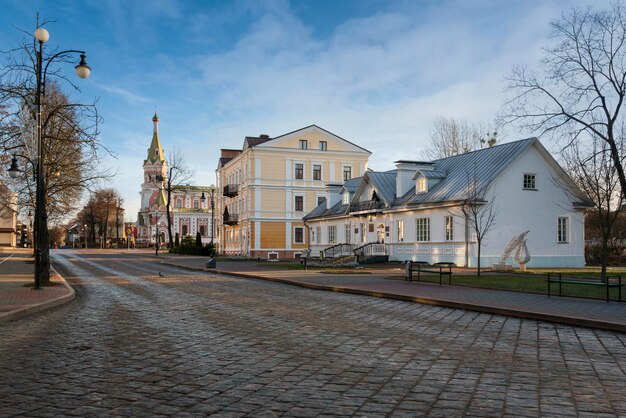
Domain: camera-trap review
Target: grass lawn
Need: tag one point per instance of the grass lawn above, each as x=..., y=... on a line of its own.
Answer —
x=531, y=283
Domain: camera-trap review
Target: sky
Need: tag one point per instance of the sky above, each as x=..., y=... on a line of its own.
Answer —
x=375, y=72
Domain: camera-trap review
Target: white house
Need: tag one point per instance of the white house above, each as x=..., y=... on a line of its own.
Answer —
x=416, y=209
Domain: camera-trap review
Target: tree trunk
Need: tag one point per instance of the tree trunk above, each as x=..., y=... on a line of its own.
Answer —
x=604, y=257
x=167, y=211
x=45, y=251
x=478, y=261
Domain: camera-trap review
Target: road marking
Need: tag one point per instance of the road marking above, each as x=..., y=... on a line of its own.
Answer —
x=5, y=259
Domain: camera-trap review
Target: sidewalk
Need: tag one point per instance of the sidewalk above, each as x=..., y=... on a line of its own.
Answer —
x=391, y=284
x=17, y=296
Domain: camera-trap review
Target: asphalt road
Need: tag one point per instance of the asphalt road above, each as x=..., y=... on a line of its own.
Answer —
x=187, y=343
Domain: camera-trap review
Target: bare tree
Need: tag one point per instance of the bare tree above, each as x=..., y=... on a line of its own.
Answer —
x=450, y=136
x=592, y=169
x=581, y=93
x=69, y=135
x=479, y=210
x=178, y=174
x=101, y=211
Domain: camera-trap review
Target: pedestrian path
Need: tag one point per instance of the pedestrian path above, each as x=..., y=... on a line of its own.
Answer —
x=390, y=284
x=17, y=296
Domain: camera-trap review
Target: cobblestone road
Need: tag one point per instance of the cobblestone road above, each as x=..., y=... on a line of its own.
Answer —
x=134, y=343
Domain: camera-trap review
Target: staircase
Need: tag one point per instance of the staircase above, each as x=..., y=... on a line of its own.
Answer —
x=371, y=253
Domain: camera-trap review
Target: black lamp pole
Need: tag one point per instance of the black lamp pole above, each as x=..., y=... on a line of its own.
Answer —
x=42, y=265
x=203, y=198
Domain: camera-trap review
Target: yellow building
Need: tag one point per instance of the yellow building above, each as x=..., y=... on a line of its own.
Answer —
x=266, y=188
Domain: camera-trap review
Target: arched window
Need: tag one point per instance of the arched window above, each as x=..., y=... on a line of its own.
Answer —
x=184, y=229
x=202, y=230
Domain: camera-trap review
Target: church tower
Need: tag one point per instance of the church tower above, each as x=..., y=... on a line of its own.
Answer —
x=152, y=195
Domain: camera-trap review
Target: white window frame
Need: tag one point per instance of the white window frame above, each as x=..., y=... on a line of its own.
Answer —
x=348, y=231
x=526, y=185
x=422, y=236
x=400, y=230
x=448, y=225
x=295, y=240
x=562, y=237
x=345, y=198
x=332, y=234
x=422, y=184
x=318, y=231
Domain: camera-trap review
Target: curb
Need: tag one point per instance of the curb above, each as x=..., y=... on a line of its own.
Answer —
x=32, y=309
x=580, y=322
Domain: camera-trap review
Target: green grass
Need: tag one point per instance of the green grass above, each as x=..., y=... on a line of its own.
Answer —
x=529, y=284
x=282, y=266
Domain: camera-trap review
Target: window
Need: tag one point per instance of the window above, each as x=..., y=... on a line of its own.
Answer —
x=347, y=173
x=422, y=184
x=348, y=230
x=529, y=182
x=400, y=225
x=202, y=230
x=195, y=204
x=184, y=231
x=299, y=203
x=449, y=228
x=332, y=234
x=179, y=203
x=298, y=235
x=318, y=232
x=346, y=198
x=363, y=232
x=299, y=171
x=323, y=145
x=313, y=235
x=422, y=229
x=304, y=144
x=317, y=172
x=320, y=200
x=561, y=230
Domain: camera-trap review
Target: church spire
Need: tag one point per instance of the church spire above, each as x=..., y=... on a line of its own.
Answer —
x=155, y=152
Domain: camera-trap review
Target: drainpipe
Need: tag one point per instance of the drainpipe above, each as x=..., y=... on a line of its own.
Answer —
x=466, y=240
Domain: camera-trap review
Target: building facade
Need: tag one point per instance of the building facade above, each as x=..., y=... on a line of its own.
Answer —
x=190, y=213
x=266, y=187
x=8, y=222
x=415, y=212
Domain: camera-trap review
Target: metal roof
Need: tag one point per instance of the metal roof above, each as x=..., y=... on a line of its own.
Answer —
x=431, y=174
x=351, y=185
x=384, y=183
x=481, y=166
x=320, y=211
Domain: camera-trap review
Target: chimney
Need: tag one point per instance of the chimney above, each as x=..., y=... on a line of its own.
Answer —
x=405, y=170
x=332, y=195
x=264, y=136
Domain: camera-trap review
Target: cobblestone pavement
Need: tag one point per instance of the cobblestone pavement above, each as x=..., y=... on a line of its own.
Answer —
x=134, y=343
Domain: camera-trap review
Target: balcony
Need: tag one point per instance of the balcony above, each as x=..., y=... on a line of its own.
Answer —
x=367, y=205
x=231, y=190
x=231, y=219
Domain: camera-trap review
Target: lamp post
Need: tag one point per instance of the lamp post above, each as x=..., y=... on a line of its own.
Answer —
x=42, y=264
x=203, y=198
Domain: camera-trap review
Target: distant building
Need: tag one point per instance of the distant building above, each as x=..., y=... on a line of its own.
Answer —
x=414, y=211
x=267, y=186
x=189, y=213
x=8, y=222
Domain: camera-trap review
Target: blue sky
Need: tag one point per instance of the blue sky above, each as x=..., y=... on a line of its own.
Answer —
x=374, y=72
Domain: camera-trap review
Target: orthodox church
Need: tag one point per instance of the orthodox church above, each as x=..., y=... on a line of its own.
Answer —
x=190, y=207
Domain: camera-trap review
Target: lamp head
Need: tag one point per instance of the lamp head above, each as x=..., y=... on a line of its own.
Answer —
x=42, y=35
x=14, y=170
x=82, y=69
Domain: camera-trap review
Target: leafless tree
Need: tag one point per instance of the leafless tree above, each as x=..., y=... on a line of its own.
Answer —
x=178, y=174
x=69, y=134
x=592, y=169
x=479, y=210
x=102, y=210
x=581, y=93
x=450, y=136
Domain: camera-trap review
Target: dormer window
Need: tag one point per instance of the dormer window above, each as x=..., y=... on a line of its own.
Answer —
x=346, y=198
x=422, y=184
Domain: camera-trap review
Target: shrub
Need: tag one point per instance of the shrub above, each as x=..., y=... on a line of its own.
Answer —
x=207, y=250
x=198, y=239
x=177, y=240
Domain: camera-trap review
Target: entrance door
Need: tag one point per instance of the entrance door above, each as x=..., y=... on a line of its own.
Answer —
x=380, y=233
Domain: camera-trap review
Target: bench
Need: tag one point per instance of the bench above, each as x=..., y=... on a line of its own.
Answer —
x=558, y=278
x=443, y=269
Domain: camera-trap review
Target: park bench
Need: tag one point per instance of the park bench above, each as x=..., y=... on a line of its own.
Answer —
x=608, y=284
x=443, y=269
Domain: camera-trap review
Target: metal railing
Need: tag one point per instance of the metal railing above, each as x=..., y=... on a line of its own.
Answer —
x=231, y=218
x=338, y=250
x=371, y=249
x=231, y=190
x=366, y=205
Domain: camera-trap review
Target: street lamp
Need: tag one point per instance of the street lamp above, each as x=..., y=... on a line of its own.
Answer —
x=203, y=198
x=41, y=217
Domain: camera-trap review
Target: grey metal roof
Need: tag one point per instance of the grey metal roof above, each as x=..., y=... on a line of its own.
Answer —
x=483, y=166
x=320, y=211
x=385, y=184
x=431, y=174
x=351, y=185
